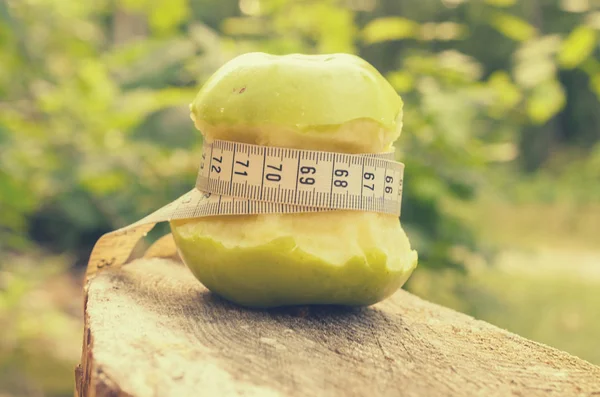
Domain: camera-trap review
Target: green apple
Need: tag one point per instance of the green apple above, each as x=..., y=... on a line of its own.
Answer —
x=321, y=102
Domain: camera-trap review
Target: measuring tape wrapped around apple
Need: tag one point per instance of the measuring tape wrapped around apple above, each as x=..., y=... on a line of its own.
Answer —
x=298, y=194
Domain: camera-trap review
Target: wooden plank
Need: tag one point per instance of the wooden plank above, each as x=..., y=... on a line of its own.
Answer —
x=152, y=330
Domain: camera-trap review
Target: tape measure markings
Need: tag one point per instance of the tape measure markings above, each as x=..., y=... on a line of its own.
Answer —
x=311, y=186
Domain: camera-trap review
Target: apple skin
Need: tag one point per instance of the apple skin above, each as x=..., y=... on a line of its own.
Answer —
x=258, y=89
x=333, y=102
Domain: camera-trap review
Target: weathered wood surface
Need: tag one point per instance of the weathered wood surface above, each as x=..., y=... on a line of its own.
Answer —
x=152, y=330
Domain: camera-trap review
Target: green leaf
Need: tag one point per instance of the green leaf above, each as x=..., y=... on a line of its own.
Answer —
x=534, y=71
x=389, y=28
x=542, y=46
x=501, y=3
x=446, y=31
x=506, y=94
x=401, y=80
x=511, y=26
x=165, y=15
x=534, y=60
x=459, y=63
x=577, y=47
x=101, y=183
x=545, y=101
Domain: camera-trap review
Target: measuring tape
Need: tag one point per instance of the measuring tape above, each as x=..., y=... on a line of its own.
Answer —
x=241, y=179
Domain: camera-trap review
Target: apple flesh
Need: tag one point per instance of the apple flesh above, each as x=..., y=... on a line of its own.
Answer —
x=336, y=257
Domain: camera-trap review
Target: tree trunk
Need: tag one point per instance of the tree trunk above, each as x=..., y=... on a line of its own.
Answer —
x=151, y=329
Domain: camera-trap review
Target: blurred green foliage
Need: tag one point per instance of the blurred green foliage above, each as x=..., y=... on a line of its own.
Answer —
x=95, y=132
x=39, y=342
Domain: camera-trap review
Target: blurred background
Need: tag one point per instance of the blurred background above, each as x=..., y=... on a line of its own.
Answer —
x=501, y=143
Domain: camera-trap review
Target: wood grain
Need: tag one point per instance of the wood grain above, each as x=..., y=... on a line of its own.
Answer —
x=152, y=330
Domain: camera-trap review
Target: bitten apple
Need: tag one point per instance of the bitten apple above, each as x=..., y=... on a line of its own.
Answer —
x=334, y=103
